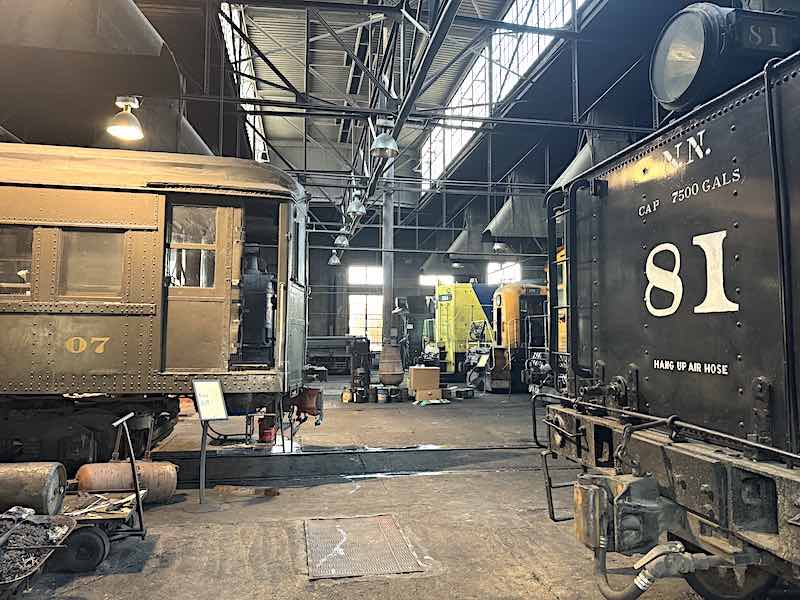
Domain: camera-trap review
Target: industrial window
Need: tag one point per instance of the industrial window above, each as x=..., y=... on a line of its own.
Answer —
x=92, y=263
x=366, y=318
x=433, y=280
x=512, y=56
x=191, y=256
x=364, y=275
x=240, y=55
x=507, y=272
x=16, y=248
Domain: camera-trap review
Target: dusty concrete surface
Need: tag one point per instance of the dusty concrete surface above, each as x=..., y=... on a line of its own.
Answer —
x=478, y=525
x=486, y=420
x=479, y=535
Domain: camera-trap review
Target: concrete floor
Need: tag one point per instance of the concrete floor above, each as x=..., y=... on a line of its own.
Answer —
x=486, y=420
x=479, y=532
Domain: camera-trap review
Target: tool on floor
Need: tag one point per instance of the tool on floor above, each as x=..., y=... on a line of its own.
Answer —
x=19, y=515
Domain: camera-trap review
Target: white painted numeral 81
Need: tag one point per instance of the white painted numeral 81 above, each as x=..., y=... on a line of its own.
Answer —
x=669, y=280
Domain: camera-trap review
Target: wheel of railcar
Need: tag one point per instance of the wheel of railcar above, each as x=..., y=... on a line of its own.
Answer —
x=86, y=548
x=722, y=584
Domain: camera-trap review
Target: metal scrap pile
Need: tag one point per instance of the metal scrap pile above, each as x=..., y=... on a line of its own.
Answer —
x=17, y=563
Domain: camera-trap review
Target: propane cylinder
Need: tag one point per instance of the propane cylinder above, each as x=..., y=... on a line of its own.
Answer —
x=159, y=479
x=36, y=485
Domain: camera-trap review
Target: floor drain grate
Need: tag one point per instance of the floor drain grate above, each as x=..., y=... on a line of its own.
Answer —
x=357, y=546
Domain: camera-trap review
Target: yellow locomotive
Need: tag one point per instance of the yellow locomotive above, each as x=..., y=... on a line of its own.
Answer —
x=518, y=313
x=462, y=323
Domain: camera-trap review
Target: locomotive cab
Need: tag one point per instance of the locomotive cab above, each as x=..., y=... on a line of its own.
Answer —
x=518, y=320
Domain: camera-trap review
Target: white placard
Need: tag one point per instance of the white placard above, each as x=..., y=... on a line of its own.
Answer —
x=209, y=399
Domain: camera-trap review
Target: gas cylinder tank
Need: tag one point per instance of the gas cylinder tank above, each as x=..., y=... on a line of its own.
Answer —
x=36, y=485
x=160, y=479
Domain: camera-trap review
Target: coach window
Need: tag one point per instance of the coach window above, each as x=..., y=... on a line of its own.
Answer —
x=191, y=256
x=16, y=249
x=92, y=263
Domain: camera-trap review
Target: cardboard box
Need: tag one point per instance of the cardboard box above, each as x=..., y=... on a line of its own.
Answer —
x=423, y=378
x=429, y=394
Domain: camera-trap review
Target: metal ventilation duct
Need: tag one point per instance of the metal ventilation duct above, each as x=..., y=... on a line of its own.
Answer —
x=64, y=63
x=468, y=243
x=596, y=149
x=524, y=215
x=438, y=264
x=599, y=145
x=521, y=216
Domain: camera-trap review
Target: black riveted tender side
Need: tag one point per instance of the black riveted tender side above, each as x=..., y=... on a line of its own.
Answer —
x=677, y=388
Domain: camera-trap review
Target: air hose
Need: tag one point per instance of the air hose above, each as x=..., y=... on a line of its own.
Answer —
x=640, y=584
x=667, y=560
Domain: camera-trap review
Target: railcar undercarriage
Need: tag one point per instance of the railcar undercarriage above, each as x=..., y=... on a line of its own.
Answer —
x=731, y=514
x=77, y=431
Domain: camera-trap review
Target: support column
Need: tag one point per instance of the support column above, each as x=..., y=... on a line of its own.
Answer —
x=387, y=257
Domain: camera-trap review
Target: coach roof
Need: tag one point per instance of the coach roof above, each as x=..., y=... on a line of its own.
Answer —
x=65, y=166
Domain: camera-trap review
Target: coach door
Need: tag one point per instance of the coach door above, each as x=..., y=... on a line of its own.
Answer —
x=197, y=285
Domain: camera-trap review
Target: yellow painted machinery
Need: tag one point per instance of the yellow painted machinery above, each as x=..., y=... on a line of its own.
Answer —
x=463, y=322
x=519, y=324
x=536, y=370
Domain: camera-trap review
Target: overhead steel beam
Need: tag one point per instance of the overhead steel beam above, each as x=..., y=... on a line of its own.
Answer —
x=347, y=112
x=504, y=256
x=271, y=84
x=309, y=137
x=516, y=27
x=444, y=21
x=413, y=54
x=324, y=5
x=290, y=166
x=299, y=60
x=414, y=22
x=366, y=70
x=324, y=36
x=243, y=35
x=404, y=227
x=269, y=145
x=395, y=10
x=478, y=39
x=547, y=123
x=382, y=66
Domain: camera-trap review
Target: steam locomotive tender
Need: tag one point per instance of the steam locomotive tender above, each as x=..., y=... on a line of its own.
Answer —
x=682, y=261
x=125, y=275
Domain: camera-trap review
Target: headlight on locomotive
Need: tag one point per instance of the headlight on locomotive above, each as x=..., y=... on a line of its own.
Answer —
x=706, y=48
x=679, y=55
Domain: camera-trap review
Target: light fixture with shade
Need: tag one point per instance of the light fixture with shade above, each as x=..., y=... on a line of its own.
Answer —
x=341, y=240
x=384, y=146
x=356, y=207
x=500, y=248
x=124, y=125
x=334, y=261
